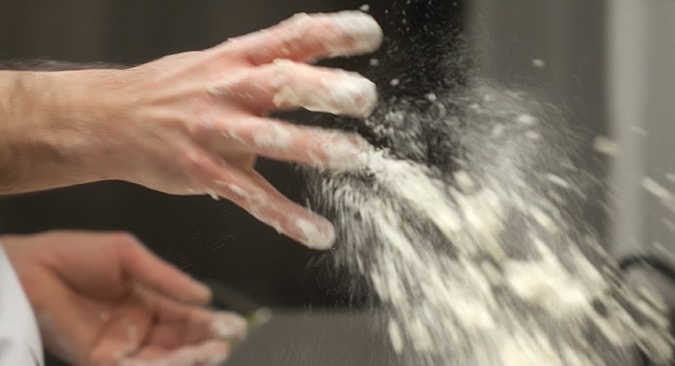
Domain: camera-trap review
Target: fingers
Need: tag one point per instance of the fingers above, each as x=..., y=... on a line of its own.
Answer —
x=308, y=37
x=312, y=146
x=145, y=268
x=226, y=325
x=178, y=324
x=209, y=353
x=122, y=334
x=253, y=193
x=62, y=316
x=268, y=205
x=186, y=335
x=285, y=84
x=180, y=334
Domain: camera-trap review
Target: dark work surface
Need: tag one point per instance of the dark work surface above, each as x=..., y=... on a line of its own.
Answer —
x=316, y=339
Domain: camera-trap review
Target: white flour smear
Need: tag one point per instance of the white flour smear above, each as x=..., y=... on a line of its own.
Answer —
x=483, y=258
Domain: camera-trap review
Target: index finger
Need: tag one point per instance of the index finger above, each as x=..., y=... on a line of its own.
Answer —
x=306, y=37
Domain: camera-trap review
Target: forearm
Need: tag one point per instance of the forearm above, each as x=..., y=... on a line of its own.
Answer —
x=40, y=130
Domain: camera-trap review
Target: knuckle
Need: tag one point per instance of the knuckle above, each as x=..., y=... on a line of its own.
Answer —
x=201, y=126
x=303, y=24
x=285, y=67
x=301, y=29
x=196, y=162
x=229, y=85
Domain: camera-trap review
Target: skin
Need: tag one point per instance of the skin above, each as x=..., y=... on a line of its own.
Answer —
x=103, y=299
x=190, y=123
x=194, y=122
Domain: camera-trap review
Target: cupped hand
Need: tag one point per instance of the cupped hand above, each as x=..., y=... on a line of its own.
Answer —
x=194, y=123
x=103, y=299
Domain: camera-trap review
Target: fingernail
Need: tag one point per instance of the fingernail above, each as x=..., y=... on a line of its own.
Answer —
x=340, y=92
x=347, y=152
x=352, y=95
x=317, y=234
x=364, y=32
x=229, y=326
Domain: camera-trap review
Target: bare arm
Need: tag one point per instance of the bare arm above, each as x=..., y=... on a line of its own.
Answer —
x=35, y=153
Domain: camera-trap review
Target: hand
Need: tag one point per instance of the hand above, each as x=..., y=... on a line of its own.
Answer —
x=194, y=123
x=103, y=299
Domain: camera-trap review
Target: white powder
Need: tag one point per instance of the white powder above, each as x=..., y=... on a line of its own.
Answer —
x=228, y=326
x=395, y=336
x=346, y=93
x=498, y=131
x=527, y=119
x=464, y=181
x=657, y=190
x=606, y=146
x=365, y=33
x=212, y=194
x=431, y=97
x=474, y=262
x=346, y=154
x=547, y=284
x=314, y=237
x=538, y=63
x=273, y=136
x=639, y=130
x=362, y=34
x=560, y=182
x=532, y=135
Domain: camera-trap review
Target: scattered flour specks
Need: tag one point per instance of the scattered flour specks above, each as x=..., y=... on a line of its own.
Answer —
x=478, y=258
x=606, y=146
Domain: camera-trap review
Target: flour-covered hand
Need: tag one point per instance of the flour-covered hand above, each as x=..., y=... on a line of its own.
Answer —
x=194, y=123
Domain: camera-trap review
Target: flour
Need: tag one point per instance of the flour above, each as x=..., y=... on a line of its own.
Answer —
x=481, y=258
x=314, y=236
x=343, y=93
x=526, y=119
x=606, y=146
x=657, y=190
x=538, y=63
x=228, y=326
x=361, y=32
x=347, y=154
x=273, y=136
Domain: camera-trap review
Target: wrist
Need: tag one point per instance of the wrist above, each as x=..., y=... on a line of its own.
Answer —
x=49, y=136
x=80, y=126
x=22, y=98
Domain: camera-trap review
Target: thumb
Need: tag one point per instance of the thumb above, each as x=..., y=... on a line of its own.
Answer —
x=142, y=266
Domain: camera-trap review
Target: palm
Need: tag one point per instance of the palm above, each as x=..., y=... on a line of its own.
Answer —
x=100, y=300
